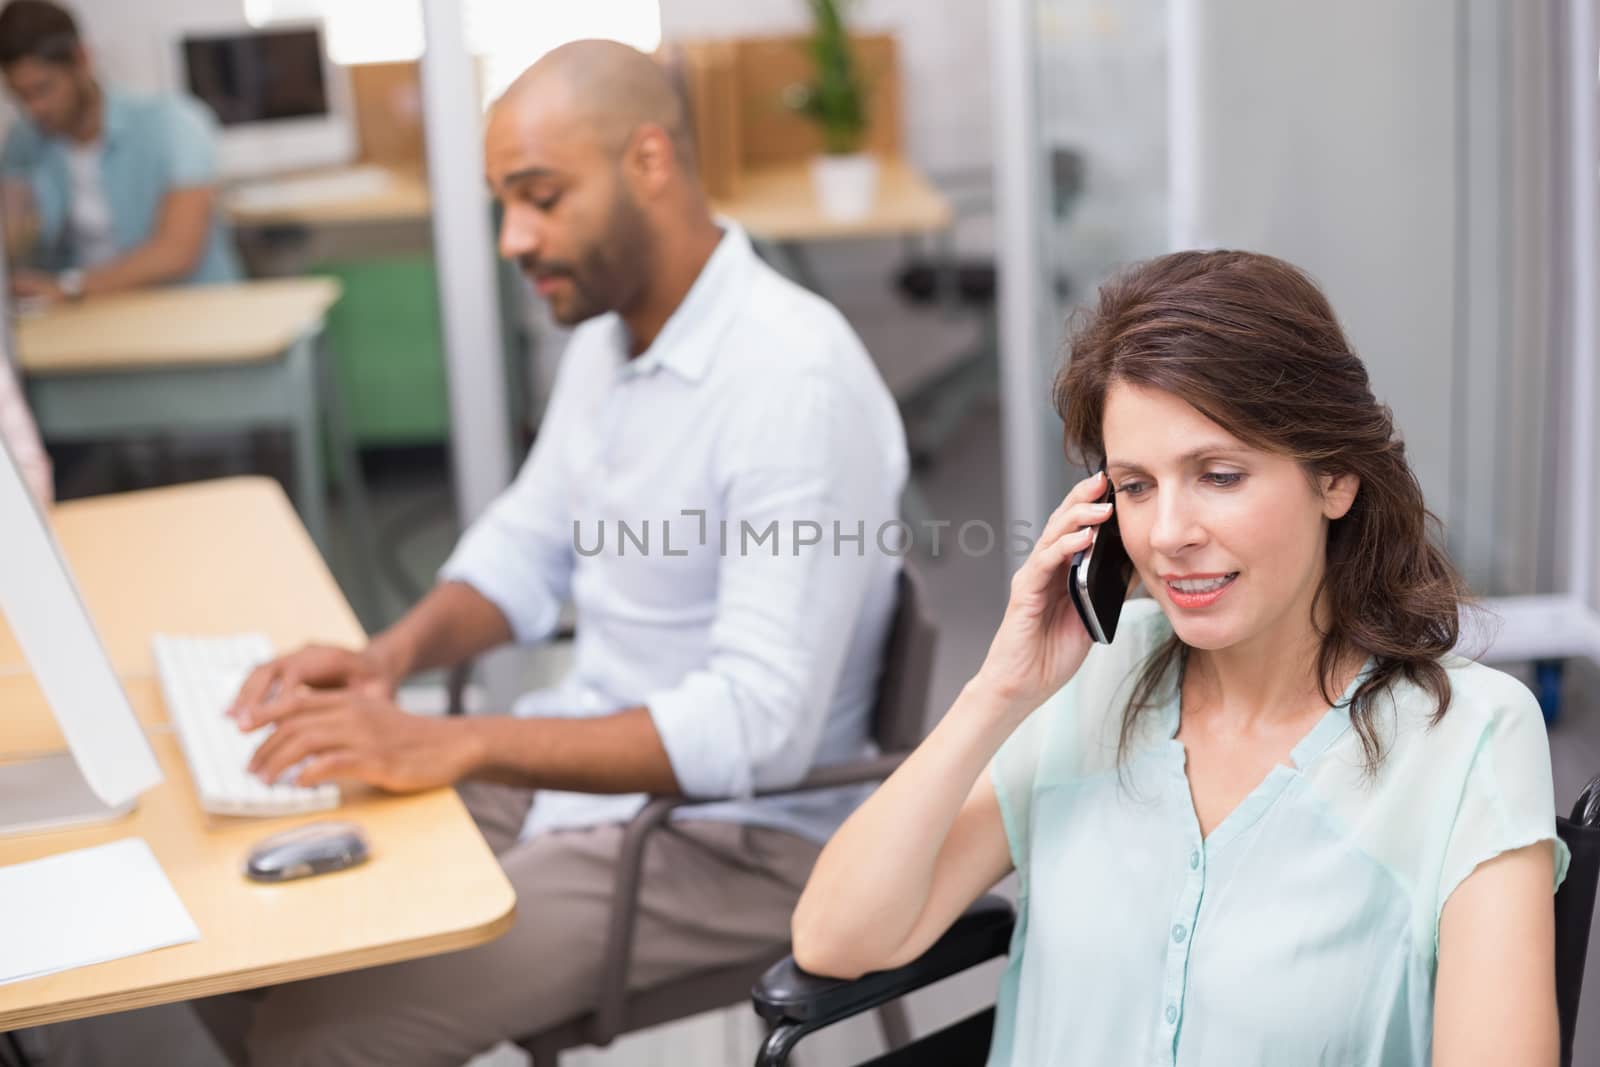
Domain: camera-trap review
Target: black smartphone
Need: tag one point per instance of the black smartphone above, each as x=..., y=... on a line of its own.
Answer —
x=1099, y=577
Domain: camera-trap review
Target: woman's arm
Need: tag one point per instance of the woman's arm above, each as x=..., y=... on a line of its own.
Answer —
x=905, y=865
x=910, y=859
x=1495, y=1001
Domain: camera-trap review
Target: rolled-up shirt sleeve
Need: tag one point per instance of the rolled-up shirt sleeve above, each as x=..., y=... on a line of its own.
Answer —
x=752, y=715
x=191, y=137
x=518, y=554
x=19, y=153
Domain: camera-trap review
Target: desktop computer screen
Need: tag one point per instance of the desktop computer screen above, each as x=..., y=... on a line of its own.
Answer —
x=280, y=102
x=258, y=77
x=47, y=617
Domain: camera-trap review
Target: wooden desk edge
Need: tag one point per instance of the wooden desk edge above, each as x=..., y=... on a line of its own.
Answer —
x=319, y=293
x=407, y=198
x=492, y=915
x=172, y=992
x=155, y=363
x=205, y=486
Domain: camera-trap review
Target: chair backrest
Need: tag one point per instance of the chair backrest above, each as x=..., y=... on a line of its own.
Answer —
x=1575, y=908
x=901, y=711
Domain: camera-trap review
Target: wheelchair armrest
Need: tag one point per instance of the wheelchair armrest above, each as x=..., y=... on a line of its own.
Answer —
x=788, y=994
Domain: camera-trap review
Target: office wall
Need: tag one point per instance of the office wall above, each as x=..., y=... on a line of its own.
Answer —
x=1399, y=151
x=944, y=50
x=1328, y=136
x=130, y=40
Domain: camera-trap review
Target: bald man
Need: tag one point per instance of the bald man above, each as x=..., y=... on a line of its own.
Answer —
x=716, y=461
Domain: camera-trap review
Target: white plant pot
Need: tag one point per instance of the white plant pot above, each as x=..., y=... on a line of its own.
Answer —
x=846, y=185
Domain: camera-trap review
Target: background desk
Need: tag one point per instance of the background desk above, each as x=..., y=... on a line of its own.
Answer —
x=219, y=557
x=777, y=203
x=217, y=357
x=403, y=198
x=778, y=208
x=774, y=203
x=386, y=333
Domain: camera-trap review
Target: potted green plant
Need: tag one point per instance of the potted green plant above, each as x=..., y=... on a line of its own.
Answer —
x=845, y=177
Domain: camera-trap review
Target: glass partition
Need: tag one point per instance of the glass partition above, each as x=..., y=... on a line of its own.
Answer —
x=1418, y=185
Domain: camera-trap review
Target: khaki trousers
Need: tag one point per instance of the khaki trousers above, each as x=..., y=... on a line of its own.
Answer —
x=712, y=893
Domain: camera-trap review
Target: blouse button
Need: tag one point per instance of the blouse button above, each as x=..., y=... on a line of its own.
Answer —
x=1179, y=932
x=1194, y=860
x=1172, y=1013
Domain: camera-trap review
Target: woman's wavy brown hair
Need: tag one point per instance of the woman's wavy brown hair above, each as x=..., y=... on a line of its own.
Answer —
x=1251, y=343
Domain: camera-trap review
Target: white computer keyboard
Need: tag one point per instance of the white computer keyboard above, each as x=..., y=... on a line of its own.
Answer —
x=200, y=676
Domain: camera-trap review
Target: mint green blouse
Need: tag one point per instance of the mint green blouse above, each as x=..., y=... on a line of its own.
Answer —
x=1304, y=929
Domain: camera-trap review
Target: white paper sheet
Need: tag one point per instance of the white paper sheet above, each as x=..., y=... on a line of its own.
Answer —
x=87, y=906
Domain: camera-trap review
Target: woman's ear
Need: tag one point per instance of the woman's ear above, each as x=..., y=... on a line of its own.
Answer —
x=1338, y=493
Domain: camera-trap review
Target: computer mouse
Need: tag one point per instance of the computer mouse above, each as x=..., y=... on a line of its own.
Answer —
x=316, y=848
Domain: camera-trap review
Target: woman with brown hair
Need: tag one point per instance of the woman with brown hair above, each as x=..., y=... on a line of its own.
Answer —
x=1276, y=821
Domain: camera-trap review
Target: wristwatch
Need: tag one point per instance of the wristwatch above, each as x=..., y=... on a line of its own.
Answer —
x=71, y=282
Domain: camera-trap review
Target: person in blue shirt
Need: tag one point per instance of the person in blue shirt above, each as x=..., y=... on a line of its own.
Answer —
x=1278, y=820
x=104, y=190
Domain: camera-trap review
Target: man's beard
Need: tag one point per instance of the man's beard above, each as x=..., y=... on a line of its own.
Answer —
x=610, y=274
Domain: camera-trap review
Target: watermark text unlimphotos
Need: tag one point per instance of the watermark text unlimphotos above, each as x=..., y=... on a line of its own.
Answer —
x=837, y=537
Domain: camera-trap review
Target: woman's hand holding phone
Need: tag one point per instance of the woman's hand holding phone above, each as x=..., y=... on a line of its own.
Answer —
x=931, y=839
x=1042, y=641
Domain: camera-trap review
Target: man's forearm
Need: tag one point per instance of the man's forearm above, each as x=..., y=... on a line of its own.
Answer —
x=173, y=251
x=618, y=753
x=450, y=625
x=152, y=263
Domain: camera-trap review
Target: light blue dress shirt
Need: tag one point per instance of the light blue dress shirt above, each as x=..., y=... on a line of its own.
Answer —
x=152, y=146
x=1304, y=929
x=755, y=413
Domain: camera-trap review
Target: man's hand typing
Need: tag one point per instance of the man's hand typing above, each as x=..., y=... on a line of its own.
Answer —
x=358, y=733
x=317, y=666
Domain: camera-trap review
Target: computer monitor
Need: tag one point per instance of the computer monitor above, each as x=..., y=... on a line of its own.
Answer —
x=109, y=762
x=280, y=102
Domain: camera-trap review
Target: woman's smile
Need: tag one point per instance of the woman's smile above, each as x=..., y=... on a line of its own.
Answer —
x=1191, y=592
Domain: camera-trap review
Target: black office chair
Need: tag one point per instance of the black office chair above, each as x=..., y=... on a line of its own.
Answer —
x=620, y=1008
x=795, y=1003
